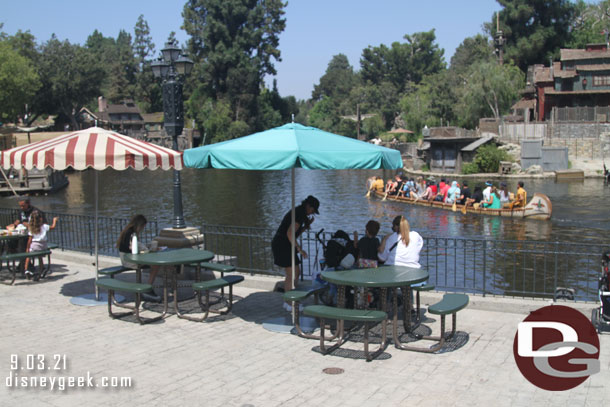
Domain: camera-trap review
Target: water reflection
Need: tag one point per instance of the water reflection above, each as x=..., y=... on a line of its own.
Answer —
x=261, y=198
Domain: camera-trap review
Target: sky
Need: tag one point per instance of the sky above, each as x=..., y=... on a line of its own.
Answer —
x=316, y=30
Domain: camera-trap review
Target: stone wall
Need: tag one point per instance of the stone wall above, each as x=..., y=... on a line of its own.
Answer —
x=583, y=140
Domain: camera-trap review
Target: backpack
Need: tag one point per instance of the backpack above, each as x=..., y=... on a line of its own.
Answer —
x=339, y=246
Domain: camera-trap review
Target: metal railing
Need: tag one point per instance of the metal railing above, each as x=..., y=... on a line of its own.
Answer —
x=483, y=266
x=77, y=232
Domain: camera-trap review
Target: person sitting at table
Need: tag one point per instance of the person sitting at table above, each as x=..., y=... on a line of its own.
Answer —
x=37, y=240
x=367, y=246
x=26, y=209
x=402, y=247
x=135, y=226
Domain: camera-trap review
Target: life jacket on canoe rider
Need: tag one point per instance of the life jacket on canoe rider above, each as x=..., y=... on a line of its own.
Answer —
x=337, y=250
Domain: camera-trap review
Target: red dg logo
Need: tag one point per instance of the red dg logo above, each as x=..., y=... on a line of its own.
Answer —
x=556, y=348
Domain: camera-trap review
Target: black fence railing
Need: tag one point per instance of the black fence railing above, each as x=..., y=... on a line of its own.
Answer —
x=483, y=266
x=77, y=232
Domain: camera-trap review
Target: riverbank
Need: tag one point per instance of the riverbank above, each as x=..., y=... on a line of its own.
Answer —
x=233, y=361
x=592, y=168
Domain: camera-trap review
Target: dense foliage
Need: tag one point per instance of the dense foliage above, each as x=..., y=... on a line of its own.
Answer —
x=487, y=159
x=236, y=43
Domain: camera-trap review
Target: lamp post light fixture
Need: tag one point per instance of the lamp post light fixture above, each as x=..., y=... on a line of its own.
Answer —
x=172, y=68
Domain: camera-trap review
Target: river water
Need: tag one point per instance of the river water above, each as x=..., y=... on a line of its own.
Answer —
x=261, y=198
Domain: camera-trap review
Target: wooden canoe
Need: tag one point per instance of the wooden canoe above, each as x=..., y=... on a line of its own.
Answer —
x=539, y=207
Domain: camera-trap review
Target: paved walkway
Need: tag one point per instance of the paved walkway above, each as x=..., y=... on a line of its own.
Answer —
x=233, y=361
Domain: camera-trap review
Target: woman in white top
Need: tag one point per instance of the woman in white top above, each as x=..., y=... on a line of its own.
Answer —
x=402, y=247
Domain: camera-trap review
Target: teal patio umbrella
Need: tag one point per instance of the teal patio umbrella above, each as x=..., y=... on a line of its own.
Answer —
x=293, y=146
x=288, y=147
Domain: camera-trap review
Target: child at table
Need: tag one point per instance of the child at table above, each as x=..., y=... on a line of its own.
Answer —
x=368, y=246
x=37, y=237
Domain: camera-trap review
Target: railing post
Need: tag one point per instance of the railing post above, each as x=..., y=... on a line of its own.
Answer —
x=484, y=267
x=90, y=238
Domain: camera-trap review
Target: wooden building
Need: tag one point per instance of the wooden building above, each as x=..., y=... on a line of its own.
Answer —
x=580, y=79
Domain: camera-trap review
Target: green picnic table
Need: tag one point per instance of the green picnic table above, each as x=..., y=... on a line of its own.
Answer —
x=384, y=277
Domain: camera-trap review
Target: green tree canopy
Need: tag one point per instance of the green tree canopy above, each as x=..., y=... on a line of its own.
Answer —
x=402, y=63
x=235, y=44
x=490, y=90
x=337, y=81
x=534, y=29
x=18, y=82
x=71, y=77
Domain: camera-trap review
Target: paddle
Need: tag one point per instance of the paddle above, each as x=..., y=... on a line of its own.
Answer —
x=454, y=207
x=384, y=196
x=464, y=209
x=368, y=193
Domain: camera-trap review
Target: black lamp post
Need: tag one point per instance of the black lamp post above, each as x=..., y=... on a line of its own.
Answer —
x=172, y=68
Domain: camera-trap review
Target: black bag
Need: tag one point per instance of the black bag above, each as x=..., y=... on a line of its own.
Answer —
x=339, y=246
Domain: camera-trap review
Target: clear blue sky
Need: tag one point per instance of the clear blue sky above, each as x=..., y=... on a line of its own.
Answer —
x=315, y=29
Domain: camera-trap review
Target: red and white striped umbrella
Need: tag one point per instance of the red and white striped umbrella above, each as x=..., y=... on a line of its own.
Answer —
x=91, y=148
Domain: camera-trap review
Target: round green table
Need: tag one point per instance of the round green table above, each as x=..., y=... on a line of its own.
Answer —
x=383, y=277
x=164, y=258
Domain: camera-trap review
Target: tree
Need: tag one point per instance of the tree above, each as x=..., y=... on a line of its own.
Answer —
x=337, y=81
x=402, y=63
x=147, y=89
x=490, y=89
x=473, y=50
x=122, y=72
x=234, y=42
x=71, y=77
x=431, y=104
x=591, y=22
x=534, y=29
x=18, y=81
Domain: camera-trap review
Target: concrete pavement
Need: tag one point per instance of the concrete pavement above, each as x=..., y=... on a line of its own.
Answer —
x=233, y=361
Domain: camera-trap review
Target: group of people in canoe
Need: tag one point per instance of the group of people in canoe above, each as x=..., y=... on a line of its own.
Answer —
x=487, y=196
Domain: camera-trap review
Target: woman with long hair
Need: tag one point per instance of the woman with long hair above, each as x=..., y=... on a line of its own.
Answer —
x=135, y=226
x=401, y=247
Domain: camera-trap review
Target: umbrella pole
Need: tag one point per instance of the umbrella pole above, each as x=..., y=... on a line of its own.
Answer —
x=294, y=242
x=97, y=290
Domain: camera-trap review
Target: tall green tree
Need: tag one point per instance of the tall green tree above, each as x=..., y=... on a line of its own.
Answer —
x=402, y=63
x=71, y=77
x=18, y=82
x=337, y=82
x=534, y=29
x=235, y=44
x=122, y=72
x=430, y=104
x=490, y=90
x=147, y=90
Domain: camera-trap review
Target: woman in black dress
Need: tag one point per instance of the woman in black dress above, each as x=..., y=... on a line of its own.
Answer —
x=282, y=241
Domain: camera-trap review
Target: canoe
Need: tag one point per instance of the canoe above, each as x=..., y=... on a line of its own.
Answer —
x=539, y=207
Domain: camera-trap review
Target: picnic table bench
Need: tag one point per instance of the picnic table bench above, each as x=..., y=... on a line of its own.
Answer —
x=207, y=286
x=12, y=258
x=112, y=284
x=367, y=317
x=300, y=294
x=450, y=304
